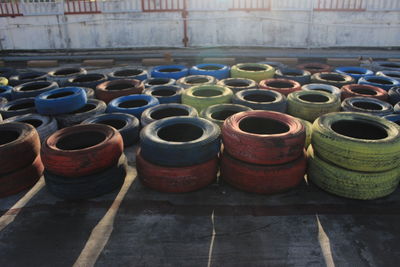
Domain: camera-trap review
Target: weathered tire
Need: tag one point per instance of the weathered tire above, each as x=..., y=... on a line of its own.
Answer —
x=195, y=80
x=110, y=90
x=220, y=112
x=349, y=183
x=127, y=125
x=158, y=81
x=82, y=150
x=172, y=141
x=203, y=96
x=132, y=104
x=253, y=71
x=385, y=65
x=3, y=81
x=263, y=137
x=19, y=146
x=263, y=179
x=44, y=125
x=393, y=118
x=394, y=95
x=170, y=71
x=309, y=105
x=5, y=91
x=18, y=107
x=357, y=141
x=396, y=108
x=238, y=84
x=62, y=75
x=176, y=179
x=332, y=78
x=7, y=72
x=282, y=86
x=308, y=127
x=355, y=72
x=300, y=76
x=61, y=100
x=89, y=92
x=322, y=87
x=92, y=108
x=389, y=73
x=88, y=186
x=90, y=80
x=218, y=71
x=25, y=77
x=315, y=67
x=363, y=90
x=379, y=81
x=128, y=74
x=276, y=65
x=165, y=94
x=165, y=111
x=261, y=99
x=3, y=101
x=32, y=89
x=367, y=105
x=22, y=178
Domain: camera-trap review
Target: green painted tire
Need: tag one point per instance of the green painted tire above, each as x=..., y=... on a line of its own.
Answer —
x=253, y=71
x=203, y=96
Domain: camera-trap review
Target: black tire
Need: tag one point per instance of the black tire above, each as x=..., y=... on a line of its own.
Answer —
x=25, y=77
x=394, y=95
x=92, y=108
x=158, y=81
x=18, y=107
x=7, y=72
x=126, y=124
x=163, y=111
x=180, y=141
x=194, y=80
x=62, y=75
x=219, y=113
x=128, y=73
x=87, y=80
x=367, y=105
x=165, y=94
x=298, y=75
x=32, y=89
x=261, y=99
x=238, y=84
x=5, y=91
x=332, y=78
x=90, y=186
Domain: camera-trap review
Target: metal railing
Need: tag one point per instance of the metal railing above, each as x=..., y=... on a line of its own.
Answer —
x=341, y=5
x=9, y=8
x=251, y=5
x=163, y=5
x=81, y=7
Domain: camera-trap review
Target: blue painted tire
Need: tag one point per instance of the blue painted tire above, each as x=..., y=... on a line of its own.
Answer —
x=18, y=107
x=394, y=95
x=7, y=72
x=132, y=104
x=261, y=99
x=298, y=75
x=26, y=77
x=393, y=118
x=163, y=111
x=61, y=76
x=218, y=71
x=367, y=105
x=395, y=75
x=158, y=81
x=126, y=124
x=355, y=72
x=61, y=101
x=165, y=94
x=379, y=81
x=32, y=89
x=180, y=141
x=128, y=74
x=170, y=71
x=90, y=80
x=5, y=91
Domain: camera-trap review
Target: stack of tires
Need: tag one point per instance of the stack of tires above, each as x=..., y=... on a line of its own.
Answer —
x=203, y=96
x=20, y=163
x=83, y=161
x=178, y=154
x=263, y=151
x=355, y=155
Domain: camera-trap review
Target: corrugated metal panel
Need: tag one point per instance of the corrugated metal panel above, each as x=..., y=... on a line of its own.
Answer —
x=208, y=5
x=42, y=7
x=383, y=5
x=163, y=5
x=292, y=4
x=251, y=5
x=115, y=6
x=81, y=7
x=9, y=8
x=340, y=5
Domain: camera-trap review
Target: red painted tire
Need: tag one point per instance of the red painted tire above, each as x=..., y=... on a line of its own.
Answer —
x=82, y=150
x=110, y=90
x=283, y=86
x=263, y=179
x=363, y=90
x=263, y=137
x=24, y=178
x=19, y=146
x=176, y=179
x=315, y=67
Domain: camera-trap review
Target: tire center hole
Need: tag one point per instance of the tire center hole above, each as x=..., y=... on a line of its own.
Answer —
x=163, y=92
x=196, y=80
x=117, y=124
x=359, y=130
x=181, y=132
x=223, y=114
x=280, y=84
x=332, y=77
x=80, y=140
x=260, y=98
x=68, y=71
x=127, y=73
x=59, y=95
x=379, y=81
x=262, y=126
x=364, y=91
x=119, y=86
x=33, y=122
x=252, y=68
x=168, y=112
x=291, y=73
x=210, y=68
x=35, y=86
x=207, y=93
x=234, y=83
x=21, y=106
x=354, y=72
x=169, y=70
x=8, y=136
x=28, y=76
x=158, y=81
x=85, y=108
x=88, y=78
x=367, y=105
x=314, y=98
x=133, y=103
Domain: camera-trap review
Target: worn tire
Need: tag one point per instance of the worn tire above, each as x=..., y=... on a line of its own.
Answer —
x=25, y=77
x=367, y=105
x=309, y=105
x=355, y=72
x=332, y=78
x=165, y=94
x=385, y=65
x=282, y=86
x=314, y=67
x=253, y=71
x=32, y=89
x=349, y=183
x=18, y=107
x=203, y=96
x=363, y=90
x=238, y=84
x=7, y=72
x=322, y=87
x=379, y=81
x=263, y=137
x=176, y=179
x=62, y=75
x=158, y=81
x=128, y=74
x=81, y=150
x=308, y=127
x=165, y=111
x=357, y=141
x=393, y=118
x=61, y=101
x=195, y=80
x=389, y=73
x=263, y=179
x=261, y=99
x=5, y=91
x=218, y=71
x=220, y=112
x=170, y=71
x=90, y=80
x=132, y=104
x=300, y=76
x=89, y=92
x=110, y=90
x=172, y=141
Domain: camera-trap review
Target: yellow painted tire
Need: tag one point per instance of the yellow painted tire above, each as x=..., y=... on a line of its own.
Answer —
x=3, y=81
x=309, y=105
x=195, y=80
x=357, y=141
x=350, y=184
x=203, y=96
x=253, y=71
x=308, y=126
